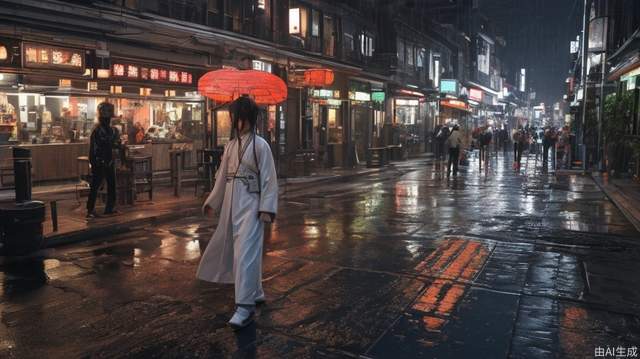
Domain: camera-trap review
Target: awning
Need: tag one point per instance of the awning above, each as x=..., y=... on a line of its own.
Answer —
x=455, y=104
x=629, y=63
x=484, y=88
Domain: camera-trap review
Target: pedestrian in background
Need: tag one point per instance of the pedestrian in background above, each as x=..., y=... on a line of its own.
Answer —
x=454, y=142
x=484, y=140
x=520, y=138
x=548, y=142
x=103, y=140
x=442, y=135
x=246, y=196
x=564, y=146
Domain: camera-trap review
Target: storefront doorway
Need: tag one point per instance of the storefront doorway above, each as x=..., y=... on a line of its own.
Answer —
x=362, y=120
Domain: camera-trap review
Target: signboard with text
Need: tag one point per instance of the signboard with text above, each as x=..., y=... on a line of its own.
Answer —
x=150, y=73
x=449, y=86
x=475, y=94
x=53, y=57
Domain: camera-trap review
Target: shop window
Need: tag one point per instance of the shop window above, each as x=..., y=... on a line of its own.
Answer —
x=334, y=125
x=378, y=122
x=315, y=23
x=214, y=13
x=223, y=127
x=43, y=119
x=366, y=45
x=261, y=4
x=420, y=58
x=235, y=11
x=261, y=65
x=410, y=54
x=349, y=45
x=406, y=111
x=434, y=67
x=328, y=38
x=161, y=121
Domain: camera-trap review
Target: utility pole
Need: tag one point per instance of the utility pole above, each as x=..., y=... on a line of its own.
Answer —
x=585, y=77
x=601, y=145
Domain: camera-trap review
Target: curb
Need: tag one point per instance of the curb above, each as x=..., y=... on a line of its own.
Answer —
x=108, y=229
x=630, y=217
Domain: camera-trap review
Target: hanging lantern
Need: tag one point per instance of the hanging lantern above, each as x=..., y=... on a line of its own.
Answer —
x=226, y=85
x=318, y=77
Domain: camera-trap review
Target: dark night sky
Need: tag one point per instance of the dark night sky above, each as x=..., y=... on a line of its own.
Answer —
x=538, y=33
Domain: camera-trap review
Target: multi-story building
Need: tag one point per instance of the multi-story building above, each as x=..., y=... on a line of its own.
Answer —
x=612, y=63
x=61, y=58
x=476, y=92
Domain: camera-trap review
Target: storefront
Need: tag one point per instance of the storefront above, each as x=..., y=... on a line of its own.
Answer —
x=409, y=110
x=362, y=118
x=454, y=111
x=328, y=121
x=52, y=103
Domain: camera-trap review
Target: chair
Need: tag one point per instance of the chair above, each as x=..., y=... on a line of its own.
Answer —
x=84, y=177
x=141, y=175
x=208, y=162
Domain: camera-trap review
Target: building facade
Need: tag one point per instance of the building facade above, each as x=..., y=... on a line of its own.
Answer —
x=387, y=62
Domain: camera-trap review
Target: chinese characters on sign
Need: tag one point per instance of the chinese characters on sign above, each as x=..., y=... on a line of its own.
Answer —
x=155, y=74
x=53, y=57
x=616, y=352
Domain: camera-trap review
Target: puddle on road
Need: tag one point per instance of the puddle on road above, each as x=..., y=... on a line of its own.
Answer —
x=454, y=262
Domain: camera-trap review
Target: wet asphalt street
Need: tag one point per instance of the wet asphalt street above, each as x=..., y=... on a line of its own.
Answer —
x=402, y=264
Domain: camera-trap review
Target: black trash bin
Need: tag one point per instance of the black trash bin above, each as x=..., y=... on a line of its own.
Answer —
x=21, y=227
x=22, y=173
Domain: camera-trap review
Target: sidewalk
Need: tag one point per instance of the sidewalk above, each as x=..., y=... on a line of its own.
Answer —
x=624, y=193
x=74, y=227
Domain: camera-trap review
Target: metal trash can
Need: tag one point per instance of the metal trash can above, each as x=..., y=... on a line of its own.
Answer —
x=21, y=227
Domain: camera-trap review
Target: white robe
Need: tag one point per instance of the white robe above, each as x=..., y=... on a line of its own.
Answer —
x=234, y=254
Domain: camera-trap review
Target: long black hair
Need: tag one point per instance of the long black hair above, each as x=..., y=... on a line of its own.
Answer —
x=246, y=109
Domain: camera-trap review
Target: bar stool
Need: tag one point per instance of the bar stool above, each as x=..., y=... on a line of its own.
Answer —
x=177, y=167
x=84, y=177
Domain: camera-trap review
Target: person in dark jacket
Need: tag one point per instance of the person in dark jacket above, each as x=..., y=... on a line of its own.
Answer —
x=548, y=142
x=104, y=139
x=441, y=135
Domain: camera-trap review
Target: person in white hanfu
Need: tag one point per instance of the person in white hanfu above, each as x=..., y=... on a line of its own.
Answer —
x=245, y=195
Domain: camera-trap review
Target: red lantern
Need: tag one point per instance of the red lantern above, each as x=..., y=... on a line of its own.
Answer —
x=226, y=85
x=318, y=77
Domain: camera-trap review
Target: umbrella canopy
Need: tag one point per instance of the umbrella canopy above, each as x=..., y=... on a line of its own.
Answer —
x=226, y=85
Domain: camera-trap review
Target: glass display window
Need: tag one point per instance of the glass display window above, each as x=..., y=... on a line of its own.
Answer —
x=223, y=126
x=334, y=125
x=41, y=118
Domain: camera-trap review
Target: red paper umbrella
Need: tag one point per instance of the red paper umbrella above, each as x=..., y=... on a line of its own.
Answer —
x=318, y=77
x=227, y=85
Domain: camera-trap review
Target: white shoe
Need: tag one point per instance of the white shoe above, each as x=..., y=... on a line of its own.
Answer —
x=241, y=318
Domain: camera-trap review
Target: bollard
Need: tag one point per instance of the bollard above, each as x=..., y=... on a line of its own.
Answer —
x=22, y=173
x=54, y=215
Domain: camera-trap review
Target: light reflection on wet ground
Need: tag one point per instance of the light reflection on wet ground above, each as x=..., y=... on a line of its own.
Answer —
x=400, y=264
